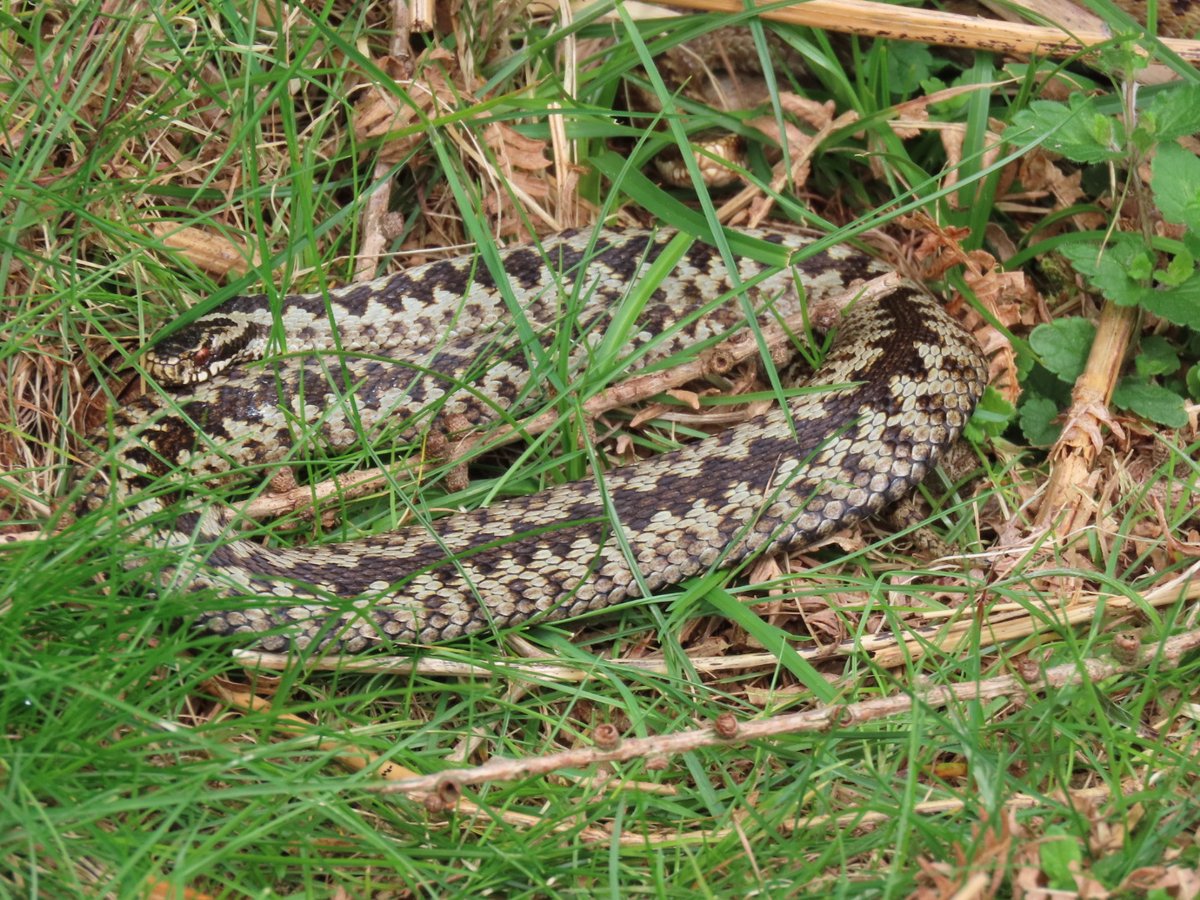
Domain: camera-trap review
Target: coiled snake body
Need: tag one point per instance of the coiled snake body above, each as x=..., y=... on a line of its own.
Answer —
x=897, y=386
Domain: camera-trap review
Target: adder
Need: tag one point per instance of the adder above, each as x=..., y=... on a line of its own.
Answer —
x=894, y=391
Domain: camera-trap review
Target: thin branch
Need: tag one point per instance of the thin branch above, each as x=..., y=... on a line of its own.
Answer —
x=727, y=729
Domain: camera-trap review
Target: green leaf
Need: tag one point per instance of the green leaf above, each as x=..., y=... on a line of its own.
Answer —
x=1175, y=181
x=774, y=639
x=991, y=417
x=1193, y=381
x=1109, y=269
x=907, y=64
x=1150, y=401
x=1077, y=130
x=1061, y=857
x=1037, y=421
x=1179, y=305
x=1181, y=267
x=1026, y=359
x=1063, y=345
x=1141, y=266
x=1156, y=356
x=1175, y=113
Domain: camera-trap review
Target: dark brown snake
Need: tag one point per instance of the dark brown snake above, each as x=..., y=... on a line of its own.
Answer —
x=894, y=391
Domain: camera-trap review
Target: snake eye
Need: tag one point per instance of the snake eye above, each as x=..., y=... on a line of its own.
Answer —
x=201, y=357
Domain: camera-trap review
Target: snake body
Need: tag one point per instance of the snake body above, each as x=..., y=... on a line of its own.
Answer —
x=894, y=391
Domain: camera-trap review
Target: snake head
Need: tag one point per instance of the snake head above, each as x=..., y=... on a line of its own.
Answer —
x=203, y=349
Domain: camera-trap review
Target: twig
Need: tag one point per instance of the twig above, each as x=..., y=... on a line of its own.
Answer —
x=728, y=730
x=355, y=759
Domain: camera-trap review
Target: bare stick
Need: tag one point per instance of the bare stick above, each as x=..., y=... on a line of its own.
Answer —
x=423, y=15
x=727, y=729
x=356, y=759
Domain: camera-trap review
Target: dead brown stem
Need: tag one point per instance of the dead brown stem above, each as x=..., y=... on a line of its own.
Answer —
x=903, y=23
x=1166, y=655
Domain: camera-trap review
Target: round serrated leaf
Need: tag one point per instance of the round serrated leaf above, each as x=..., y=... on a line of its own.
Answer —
x=1037, y=421
x=1063, y=345
x=1156, y=356
x=1150, y=401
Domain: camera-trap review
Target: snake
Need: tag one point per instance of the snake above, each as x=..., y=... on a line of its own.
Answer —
x=244, y=386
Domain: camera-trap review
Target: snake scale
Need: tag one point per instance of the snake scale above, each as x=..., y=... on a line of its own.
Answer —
x=894, y=391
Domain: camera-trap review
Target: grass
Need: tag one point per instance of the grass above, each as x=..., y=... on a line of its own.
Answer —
x=139, y=758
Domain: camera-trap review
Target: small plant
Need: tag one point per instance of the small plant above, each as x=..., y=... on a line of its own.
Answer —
x=1147, y=267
